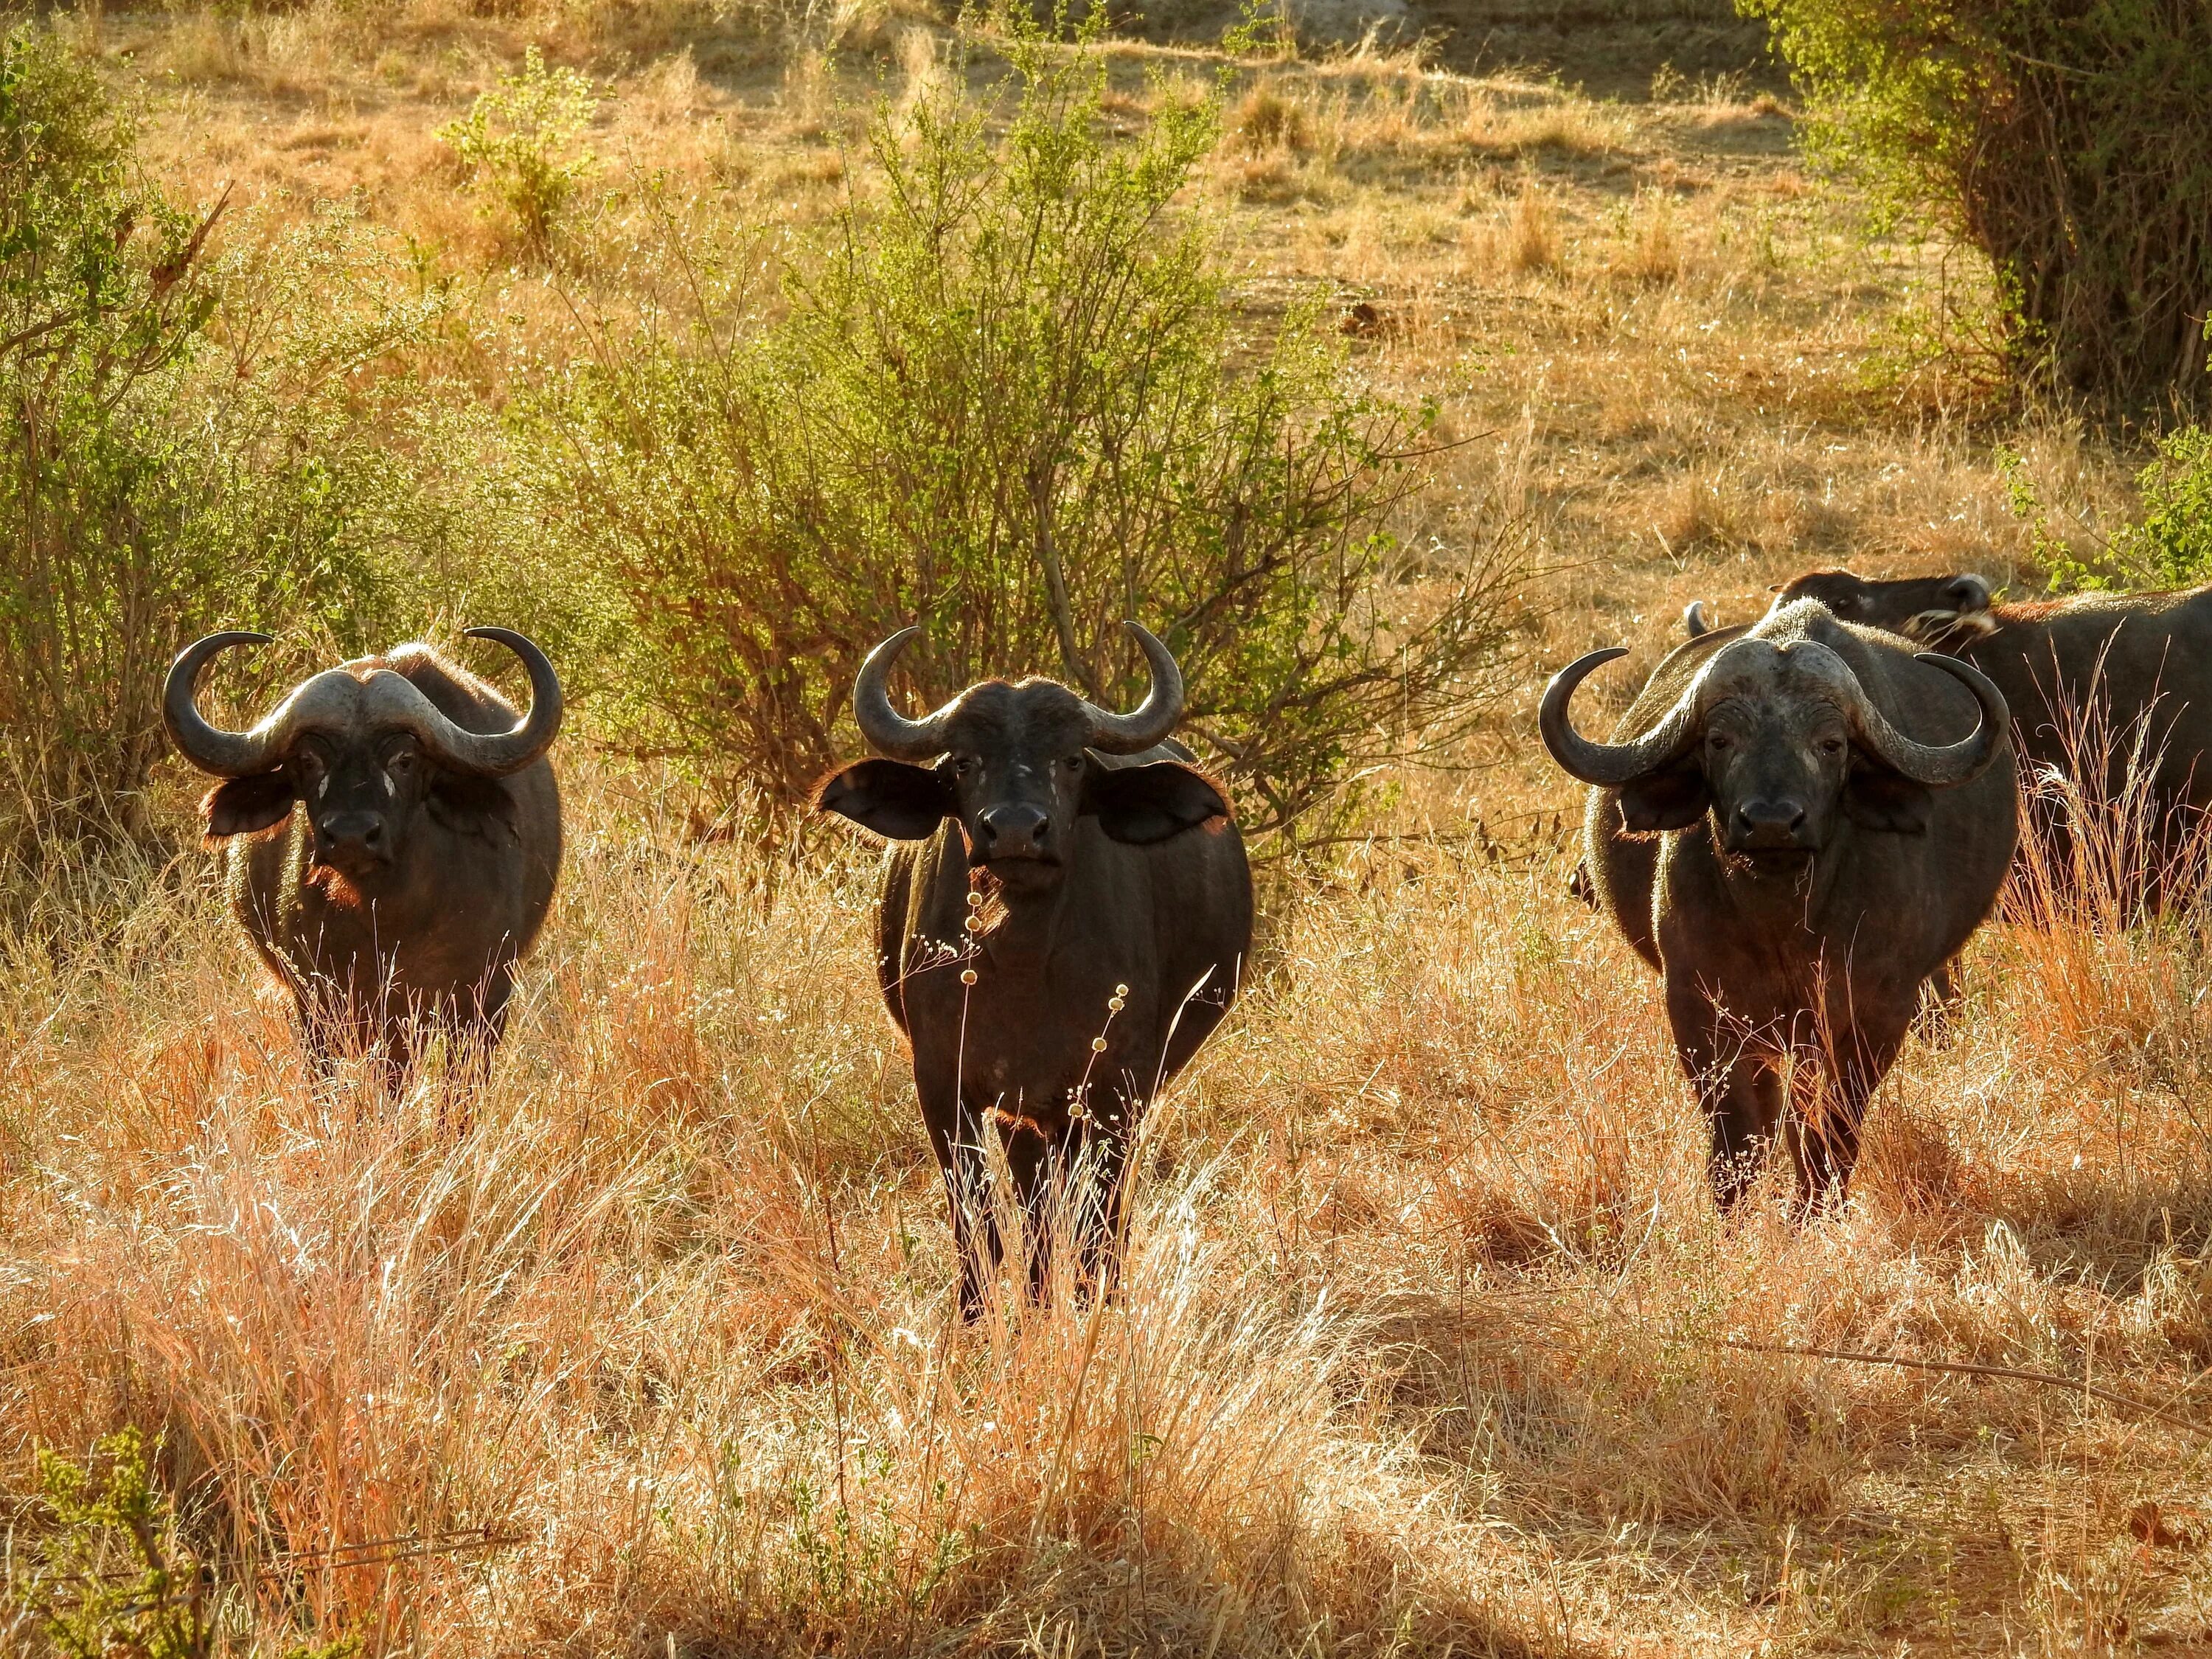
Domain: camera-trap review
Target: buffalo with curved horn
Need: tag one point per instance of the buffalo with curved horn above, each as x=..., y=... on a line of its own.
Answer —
x=1832, y=815
x=420, y=863
x=1064, y=916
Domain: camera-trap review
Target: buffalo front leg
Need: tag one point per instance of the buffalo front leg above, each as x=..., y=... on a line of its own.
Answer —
x=1830, y=1101
x=956, y=1135
x=1033, y=1159
x=1739, y=1087
x=1743, y=1100
x=1099, y=1159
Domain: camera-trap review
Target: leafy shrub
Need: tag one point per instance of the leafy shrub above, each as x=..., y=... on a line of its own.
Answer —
x=527, y=137
x=105, y=1576
x=2069, y=141
x=2169, y=546
x=182, y=447
x=1009, y=397
x=2172, y=540
x=103, y=295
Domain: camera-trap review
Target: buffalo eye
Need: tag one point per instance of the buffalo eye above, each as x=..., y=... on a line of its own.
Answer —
x=1832, y=746
x=1717, y=741
x=1072, y=763
x=964, y=765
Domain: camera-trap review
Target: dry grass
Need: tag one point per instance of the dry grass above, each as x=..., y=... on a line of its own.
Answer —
x=1419, y=1342
x=1420, y=1347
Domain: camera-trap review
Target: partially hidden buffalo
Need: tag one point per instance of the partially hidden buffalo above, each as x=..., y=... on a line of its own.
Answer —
x=1799, y=825
x=1065, y=917
x=1937, y=605
x=2098, y=684
x=420, y=861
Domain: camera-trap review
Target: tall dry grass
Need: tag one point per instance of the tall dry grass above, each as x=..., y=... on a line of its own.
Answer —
x=1420, y=1347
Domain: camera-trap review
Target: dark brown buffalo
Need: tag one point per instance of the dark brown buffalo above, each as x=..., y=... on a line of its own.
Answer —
x=421, y=862
x=1937, y=603
x=2094, y=681
x=1065, y=917
x=1825, y=817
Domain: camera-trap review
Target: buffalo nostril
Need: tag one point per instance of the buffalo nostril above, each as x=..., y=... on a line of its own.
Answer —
x=1014, y=828
x=1771, y=820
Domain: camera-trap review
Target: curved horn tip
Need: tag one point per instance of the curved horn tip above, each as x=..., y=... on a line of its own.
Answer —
x=1597, y=658
x=220, y=753
x=1960, y=668
x=503, y=754
x=211, y=643
x=1608, y=765
x=891, y=733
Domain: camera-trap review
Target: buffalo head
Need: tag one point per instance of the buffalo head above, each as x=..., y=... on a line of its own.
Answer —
x=1015, y=765
x=1774, y=738
x=1925, y=608
x=360, y=746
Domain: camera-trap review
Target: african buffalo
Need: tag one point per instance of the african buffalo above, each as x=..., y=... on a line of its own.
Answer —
x=422, y=863
x=2094, y=681
x=1065, y=917
x=1925, y=608
x=1833, y=816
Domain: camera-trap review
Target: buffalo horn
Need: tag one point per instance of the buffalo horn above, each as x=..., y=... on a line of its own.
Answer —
x=497, y=754
x=889, y=732
x=1938, y=767
x=343, y=695
x=1152, y=719
x=1610, y=765
x=214, y=750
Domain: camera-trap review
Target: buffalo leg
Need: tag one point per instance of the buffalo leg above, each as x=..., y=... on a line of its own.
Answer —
x=956, y=1135
x=1034, y=1161
x=1743, y=1101
x=1739, y=1088
x=1100, y=1150
x=1830, y=1111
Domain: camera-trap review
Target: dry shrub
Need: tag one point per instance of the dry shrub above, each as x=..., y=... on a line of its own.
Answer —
x=1711, y=510
x=1422, y=1278
x=2105, y=889
x=1264, y=120
x=1532, y=240
x=1527, y=121
x=1652, y=254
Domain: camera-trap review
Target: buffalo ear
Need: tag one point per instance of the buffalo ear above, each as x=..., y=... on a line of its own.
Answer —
x=1142, y=805
x=239, y=806
x=463, y=800
x=1875, y=798
x=1673, y=799
x=905, y=803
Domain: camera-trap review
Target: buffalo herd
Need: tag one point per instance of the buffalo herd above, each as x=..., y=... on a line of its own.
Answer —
x=1799, y=822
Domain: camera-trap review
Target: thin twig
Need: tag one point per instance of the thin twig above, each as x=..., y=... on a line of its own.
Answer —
x=1960, y=1368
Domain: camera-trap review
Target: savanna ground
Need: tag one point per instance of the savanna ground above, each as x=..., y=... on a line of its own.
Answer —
x=1424, y=1340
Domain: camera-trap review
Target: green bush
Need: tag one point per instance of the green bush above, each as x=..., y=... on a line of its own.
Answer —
x=525, y=137
x=2171, y=543
x=2169, y=546
x=105, y=1573
x=103, y=297
x=1010, y=398
x=2069, y=141
x=195, y=436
